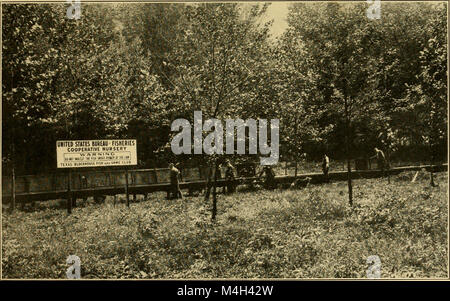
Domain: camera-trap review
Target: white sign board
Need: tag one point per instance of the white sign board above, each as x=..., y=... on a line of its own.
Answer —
x=95, y=153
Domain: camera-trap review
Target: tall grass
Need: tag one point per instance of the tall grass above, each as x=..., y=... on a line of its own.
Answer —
x=309, y=233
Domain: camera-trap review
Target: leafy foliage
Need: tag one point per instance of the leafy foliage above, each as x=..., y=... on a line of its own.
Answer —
x=129, y=70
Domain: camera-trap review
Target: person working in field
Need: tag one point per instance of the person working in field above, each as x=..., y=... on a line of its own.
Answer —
x=230, y=176
x=174, y=183
x=381, y=160
x=325, y=166
x=269, y=177
x=179, y=166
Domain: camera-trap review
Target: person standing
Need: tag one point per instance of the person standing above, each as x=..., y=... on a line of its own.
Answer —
x=381, y=160
x=174, y=182
x=269, y=181
x=230, y=176
x=326, y=167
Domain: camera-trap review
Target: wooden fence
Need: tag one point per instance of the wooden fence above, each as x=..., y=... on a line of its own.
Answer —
x=142, y=181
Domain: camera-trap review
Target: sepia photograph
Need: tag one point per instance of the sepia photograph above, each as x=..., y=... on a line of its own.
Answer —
x=224, y=140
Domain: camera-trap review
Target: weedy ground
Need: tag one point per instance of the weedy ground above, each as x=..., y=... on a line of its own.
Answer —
x=308, y=233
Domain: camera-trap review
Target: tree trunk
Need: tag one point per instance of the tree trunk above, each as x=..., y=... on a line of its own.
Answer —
x=388, y=165
x=432, y=183
x=214, y=206
x=208, y=186
x=347, y=150
x=349, y=182
x=430, y=143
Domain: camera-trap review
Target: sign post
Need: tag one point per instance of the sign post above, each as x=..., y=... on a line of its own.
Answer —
x=13, y=190
x=126, y=187
x=69, y=192
x=95, y=153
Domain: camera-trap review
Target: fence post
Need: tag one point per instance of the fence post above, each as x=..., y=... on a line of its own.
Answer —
x=69, y=193
x=126, y=187
x=13, y=190
x=133, y=183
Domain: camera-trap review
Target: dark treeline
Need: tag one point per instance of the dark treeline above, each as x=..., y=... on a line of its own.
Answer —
x=338, y=82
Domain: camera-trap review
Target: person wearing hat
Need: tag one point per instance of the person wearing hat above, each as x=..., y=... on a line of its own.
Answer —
x=381, y=160
x=174, y=182
x=230, y=176
x=269, y=177
x=325, y=166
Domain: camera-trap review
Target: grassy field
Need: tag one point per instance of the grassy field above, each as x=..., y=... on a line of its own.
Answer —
x=309, y=233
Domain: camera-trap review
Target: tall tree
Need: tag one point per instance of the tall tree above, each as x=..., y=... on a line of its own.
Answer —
x=336, y=38
x=216, y=60
x=428, y=98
